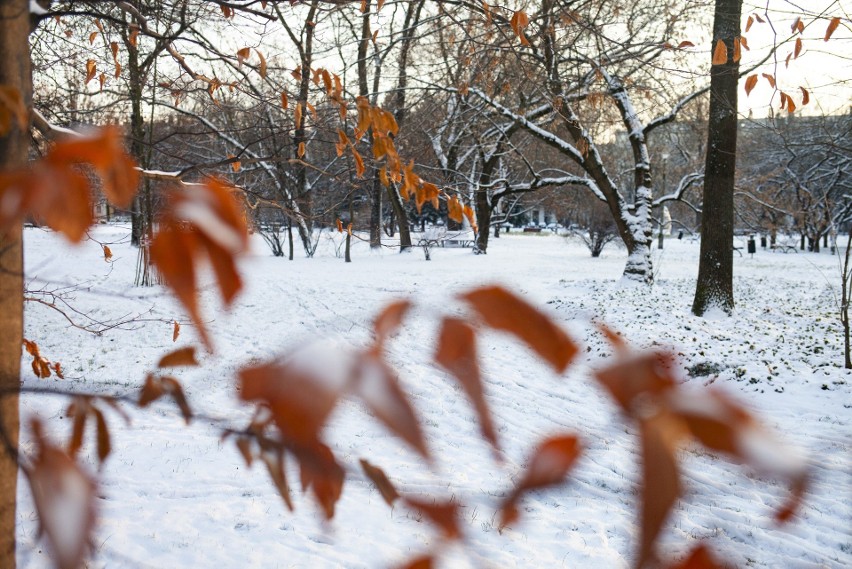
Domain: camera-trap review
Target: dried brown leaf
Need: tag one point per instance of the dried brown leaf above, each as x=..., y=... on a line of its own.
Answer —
x=377, y=386
x=502, y=310
x=389, y=320
x=456, y=353
x=699, y=558
x=383, y=484
x=832, y=26
x=750, y=83
x=637, y=380
x=549, y=465
x=181, y=357
x=104, y=443
x=720, y=53
x=64, y=498
x=660, y=482
x=443, y=515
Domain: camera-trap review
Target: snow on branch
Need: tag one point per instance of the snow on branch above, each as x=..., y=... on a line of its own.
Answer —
x=685, y=183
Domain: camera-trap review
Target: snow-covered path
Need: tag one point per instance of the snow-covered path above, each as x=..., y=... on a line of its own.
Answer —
x=178, y=497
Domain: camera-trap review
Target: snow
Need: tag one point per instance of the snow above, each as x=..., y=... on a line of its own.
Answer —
x=177, y=496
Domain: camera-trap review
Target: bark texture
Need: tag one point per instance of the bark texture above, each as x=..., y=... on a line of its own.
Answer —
x=14, y=72
x=714, y=288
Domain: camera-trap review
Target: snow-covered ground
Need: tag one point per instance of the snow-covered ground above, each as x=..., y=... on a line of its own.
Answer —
x=176, y=496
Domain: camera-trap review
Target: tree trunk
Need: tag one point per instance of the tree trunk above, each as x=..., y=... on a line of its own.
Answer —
x=715, y=286
x=14, y=72
x=402, y=219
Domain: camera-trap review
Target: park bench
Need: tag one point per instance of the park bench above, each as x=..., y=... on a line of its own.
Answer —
x=784, y=248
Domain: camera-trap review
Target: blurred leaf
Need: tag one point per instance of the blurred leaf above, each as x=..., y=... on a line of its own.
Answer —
x=262, y=68
x=175, y=331
x=502, y=310
x=549, y=465
x=377, y=386
x=443, y=515
x=660, y=482
x=64, y=498
x=634, y=379
x=203, y=221
x=181, y=357
x=389, y=320
x=381, y=481
x=300, y=403
x=457, y=354
x=699, y=558
x=275, y=467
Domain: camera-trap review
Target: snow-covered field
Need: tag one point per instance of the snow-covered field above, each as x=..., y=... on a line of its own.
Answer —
x=176, y=496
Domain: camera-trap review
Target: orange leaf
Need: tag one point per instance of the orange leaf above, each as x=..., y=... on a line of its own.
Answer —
x=326, y=81
x=364, y=116
x=91, y=70
x=470, y=215
x=629, y=379
x=749, y=23
x=302, y=149
x=203, y=221
x=381, y=481
x=444, y=515
x=243, y=54
x=107, y=253
x=798, y=49
x=661, y=485
x=422, y=562
x=320, y=471
x=113, y=46
x=685, y=44
x=798, y=25
x=339, y=226
x=502, y=310
x=175, y=331
x=750, y=83
x=770, y=78
x=699, y=558
x=389, y=319
x=359, y=162
x=262, y=68
x=806, y=98
x=92, y=37
x=235, y=164
x=720, y=53
x=104, y=443
x=519, y=22
x=297, y=115
x=737, y=49
x=549, y=465
x=299, y=401
x=285, y=102
x=832, y=26
x=457, y=354
x=181, y=357
x=376, y=385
